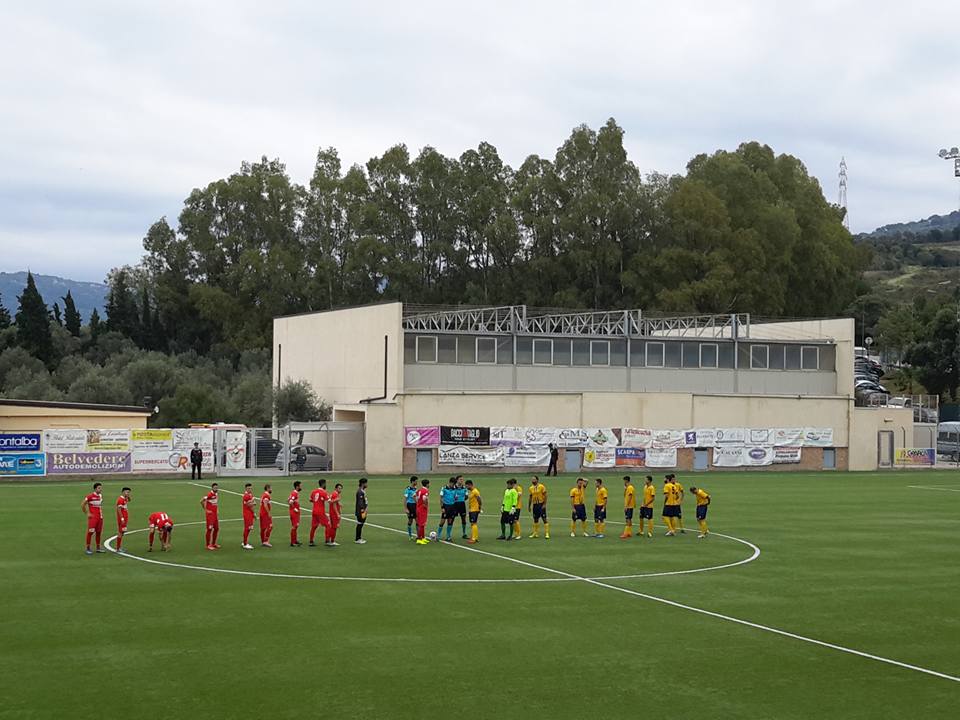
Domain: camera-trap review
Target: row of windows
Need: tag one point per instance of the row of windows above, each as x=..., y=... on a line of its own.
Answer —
x=464, y=349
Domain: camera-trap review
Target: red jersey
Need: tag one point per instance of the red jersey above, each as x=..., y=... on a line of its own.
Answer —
x=421, y=496
x=294, y=502
x=246, y=501
x=211, y=503
x=265, y=504
x=122, y=510
x=94, y=502
x=159, y=519
x=318, y=497
x=335, y=504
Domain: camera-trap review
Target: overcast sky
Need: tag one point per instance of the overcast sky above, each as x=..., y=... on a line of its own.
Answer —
x=112, y=113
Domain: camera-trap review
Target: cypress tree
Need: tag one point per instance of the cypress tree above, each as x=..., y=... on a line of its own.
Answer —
x=4, y=316
x=95, y=326
x=33, y=323
x=58, y=318
x=122, y=307
x=71, y=316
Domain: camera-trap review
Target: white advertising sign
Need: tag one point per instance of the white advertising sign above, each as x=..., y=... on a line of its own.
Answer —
x=791, y=437
x=184, y=438
x=602, y=437
x=661, y=457
x=636, y=437
x=64, y=440
x=728, y=456
x=600, y=457
x=783, y=454
x=818, y=437
x=526, y=456
x=668, y=439
x=463, y=455
x=731, y=436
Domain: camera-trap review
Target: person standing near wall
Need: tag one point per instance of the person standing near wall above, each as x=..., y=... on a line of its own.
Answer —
x=196, y=462
x=554, y=457
x=360, y=511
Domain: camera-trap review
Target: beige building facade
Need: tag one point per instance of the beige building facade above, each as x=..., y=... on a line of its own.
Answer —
x=392, y=366
x=35, y=415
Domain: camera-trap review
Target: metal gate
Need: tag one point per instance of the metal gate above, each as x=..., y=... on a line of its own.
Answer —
x=252, y=451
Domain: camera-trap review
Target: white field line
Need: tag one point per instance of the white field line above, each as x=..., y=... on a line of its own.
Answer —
x=935, y=487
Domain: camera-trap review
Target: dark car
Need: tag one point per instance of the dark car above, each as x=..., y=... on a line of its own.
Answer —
x=268, y=449
x=306, y=458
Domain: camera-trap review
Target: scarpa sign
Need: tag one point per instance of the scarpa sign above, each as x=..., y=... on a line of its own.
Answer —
x=915, y=457
x=19, y=442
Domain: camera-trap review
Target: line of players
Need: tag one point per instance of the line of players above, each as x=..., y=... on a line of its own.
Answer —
x=326, y=512
x=460, y=499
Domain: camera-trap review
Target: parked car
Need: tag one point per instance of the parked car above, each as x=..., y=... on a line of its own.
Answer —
x=306, y=458
x=268, y=450
x=948, y=440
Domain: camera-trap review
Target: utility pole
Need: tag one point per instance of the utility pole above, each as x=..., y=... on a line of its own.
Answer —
x=952, y=154
x=842, y=195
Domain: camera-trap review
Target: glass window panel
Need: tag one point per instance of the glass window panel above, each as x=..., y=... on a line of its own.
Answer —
x=599, y=352
x=654, y=354
x=447, y=349
x=581, y=352
x=792, y=357
x=759, y=357
x=543, y=352
x=809, y=358
x=426, y=349
x=708, y=355
x=524, y=350
x=637, y=353
x=671, y=355
x=466, y=349
x=725, y=355
x=487, y=350
x=505, y=351
x=561, y=352
x=776, y=357
x=827, y=357
x=618, y=353
x=409, y=348
x=691, y=354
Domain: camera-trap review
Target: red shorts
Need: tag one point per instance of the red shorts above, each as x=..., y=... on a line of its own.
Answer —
x=213, y=520
x=318, y=519
x=248, y=521
x=334, y=521
x=94, y=523
x=266, y=521
x=121, y=528
x=295, y=519
x=421, y=518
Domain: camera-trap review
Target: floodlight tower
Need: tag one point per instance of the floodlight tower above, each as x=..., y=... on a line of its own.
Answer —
x=842, y=199
x=952, y=154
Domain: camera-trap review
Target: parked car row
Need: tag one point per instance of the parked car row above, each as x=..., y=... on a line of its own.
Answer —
x=269, y=453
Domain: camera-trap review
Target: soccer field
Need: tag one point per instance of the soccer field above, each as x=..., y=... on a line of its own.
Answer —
x=832, y=595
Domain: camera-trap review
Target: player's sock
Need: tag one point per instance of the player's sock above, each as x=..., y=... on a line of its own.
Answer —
x=573, y=526
x=440, y=530
x=536, y=529
x=449, y=530
x=516, y=528
x=409, y=529
x=546, y=529
x=119, y=541
x=207, y=536
x=216, y=535
x=701, y=523
x=99, y=535
x=474, y=532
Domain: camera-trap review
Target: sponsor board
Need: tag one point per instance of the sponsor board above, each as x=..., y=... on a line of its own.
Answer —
x=636, y=437
x=818, y=437
x=572, y=437
x=661, y=457
x=88, y=463
x=108, y=440
x=730, y=436
x=728, y=456
x=65, y=440
x=166, y=461
x=631, y=457
x=450, y=435
x=784, y=454
x=184, y=438
x=759, y=436
x=235, y=448
x=915, y=457
x=599, y=457
x=526, y=456
x=508, y=436
x=602, y=437
x=421, y=436
x=705, y=437
x=17, y=442
x=23, y=464
x=668, y=438
x=756, y=455
x=154, y=439
x=462, y=455
x=791, y=437
x=743, y=455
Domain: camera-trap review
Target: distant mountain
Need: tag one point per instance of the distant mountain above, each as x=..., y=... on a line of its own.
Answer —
x=86, y=295
x=944, y=223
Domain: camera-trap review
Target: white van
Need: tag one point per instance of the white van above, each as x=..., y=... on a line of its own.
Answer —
x=948, y=439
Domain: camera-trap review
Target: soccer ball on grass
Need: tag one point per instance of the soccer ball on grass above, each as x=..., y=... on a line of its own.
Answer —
x=433, y=535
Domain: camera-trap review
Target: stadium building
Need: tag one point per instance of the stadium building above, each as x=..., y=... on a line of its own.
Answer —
x=424, y=379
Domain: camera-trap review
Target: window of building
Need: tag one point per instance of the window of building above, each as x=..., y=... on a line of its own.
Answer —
x=543, y=352
x=447, y=349
x=426, y=349
x=776, y=357
x=708, y=355
x=671, y=354
x=618, y=353
x=409, y=348
x=759, y=357
x=505, y=351
x=600, y=352
x=466, y=350
x=809, y=358
x=524, y=350
x=486, y=350
x=638, y=352
x=581, y=352
x=726, y=353
x=691, y=355
x=654, y=354
x=561, y=352
x=792, y=357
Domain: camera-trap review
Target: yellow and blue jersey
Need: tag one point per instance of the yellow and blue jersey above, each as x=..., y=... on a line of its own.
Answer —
x=601, y=497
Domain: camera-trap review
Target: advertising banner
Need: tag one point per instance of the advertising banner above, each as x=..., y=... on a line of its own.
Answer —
x=731, y=436
x=464, y=435
x=602, y=437
x=784, y=454
x=156, y=439
x=572, y=437
x=661, y=457
x=461, y=455
x=818, y=437
x=421, y=436
x=728, y=456
x=64, y=440
x=756, y=455
x=599, y=457
x=636, y=437
x=915, y=457
x=235, y=442
x=541, y=436
x=792, y=437
x=759, y=436
x=705, y=437
x=631, y=457
x=18, y=442
x=668, y=438
x=23, y=464
x=165, y=461
x=526, y=456
x=507, y=436
x=88, y=463
x=183, y=440
x=108, y=440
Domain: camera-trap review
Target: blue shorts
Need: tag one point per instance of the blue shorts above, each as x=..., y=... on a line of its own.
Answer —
x=628, y=513
x=579, y=512
x=474, y=516
x=412, y=511
x=447, y=512
x=599, y=513
x=671, y=511
x=702, y=512
x=646, y=513
x=460, y=509
x=539, y=512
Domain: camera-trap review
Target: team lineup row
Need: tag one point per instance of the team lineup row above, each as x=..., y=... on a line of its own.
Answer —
x=459, y=498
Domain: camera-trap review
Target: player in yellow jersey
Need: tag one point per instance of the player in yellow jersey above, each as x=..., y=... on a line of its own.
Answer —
x=600, y=510
x=678, y=489
x=629, y=505
x=646, y=506
x=516, y=512
x=537, y=505
x=579, y=508
x=669, y=506
x=474, y=507
x=703, y=502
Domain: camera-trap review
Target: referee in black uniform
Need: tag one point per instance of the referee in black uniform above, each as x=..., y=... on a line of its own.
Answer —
x=360, y=511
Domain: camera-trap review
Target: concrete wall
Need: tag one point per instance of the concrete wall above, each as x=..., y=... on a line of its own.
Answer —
x=44, y=418
x=340, y=352
x=865, y=425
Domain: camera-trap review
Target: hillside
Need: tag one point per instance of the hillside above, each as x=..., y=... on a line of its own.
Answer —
x=86, y=295
x=944, y=223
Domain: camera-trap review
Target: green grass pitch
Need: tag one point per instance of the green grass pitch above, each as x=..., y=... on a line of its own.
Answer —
x=865, y=562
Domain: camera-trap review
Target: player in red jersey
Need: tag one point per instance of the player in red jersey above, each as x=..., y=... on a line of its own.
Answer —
x=318, y=516
x=266, y=516
x=423, y=501
x=92, y=507
x=209, y=504
x=248, y=502
x=333, y=522
x=293, y=503
x=162, y=522
x=122, y=516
